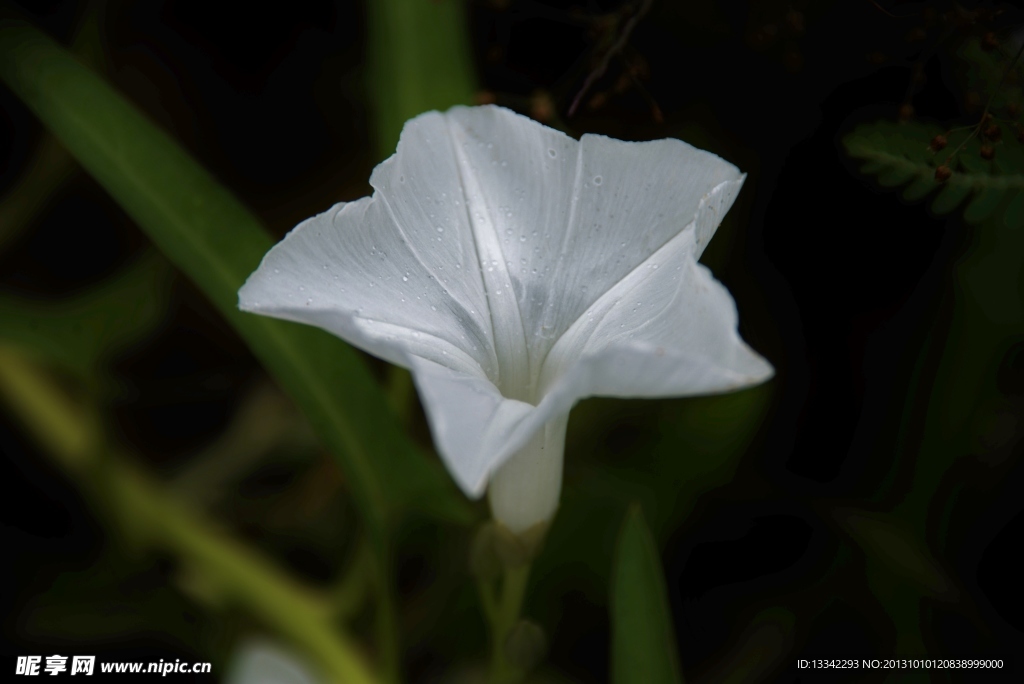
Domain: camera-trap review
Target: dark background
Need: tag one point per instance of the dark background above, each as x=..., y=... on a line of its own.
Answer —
x=838, y=284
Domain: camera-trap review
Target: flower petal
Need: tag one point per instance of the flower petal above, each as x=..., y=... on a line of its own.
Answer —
x=474, y=426
x=574, y=218
x=352, y=272
x=667, y=329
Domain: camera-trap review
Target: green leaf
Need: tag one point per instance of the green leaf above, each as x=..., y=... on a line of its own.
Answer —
x=898, y=549
x=952, y=195
x=898, y=154
x=419, y=60
x=79, y=333
x=643, y=643
x=919, y=189
x=207, y=233
x=1015, y=212
x=984, y=204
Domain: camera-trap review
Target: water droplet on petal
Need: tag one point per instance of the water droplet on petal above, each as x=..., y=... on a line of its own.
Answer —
x=598, y=180
x=552, y=153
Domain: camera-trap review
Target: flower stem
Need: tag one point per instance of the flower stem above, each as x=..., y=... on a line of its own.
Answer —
x=503, y=618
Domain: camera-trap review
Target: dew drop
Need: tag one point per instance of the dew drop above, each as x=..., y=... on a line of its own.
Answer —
x=552, y=153
x=277, y=270
x=598, y=180
x=401, y=179
x=522, y=238
x=405, y=278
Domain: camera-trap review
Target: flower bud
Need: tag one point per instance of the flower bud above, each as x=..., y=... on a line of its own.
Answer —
x=988, y=152
x=942, y=174
x=938, y=143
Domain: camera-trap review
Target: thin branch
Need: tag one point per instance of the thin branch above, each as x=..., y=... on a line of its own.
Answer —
x=616, y=47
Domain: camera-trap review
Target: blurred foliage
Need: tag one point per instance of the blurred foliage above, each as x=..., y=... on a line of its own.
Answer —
x=217, y=242
x=419, y=60
x=82, y=333
x=643, y=645
x=979, y=166
x=899, y=154
x=396, y=583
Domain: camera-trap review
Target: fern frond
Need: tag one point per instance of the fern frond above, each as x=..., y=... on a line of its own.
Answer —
x=898, y=154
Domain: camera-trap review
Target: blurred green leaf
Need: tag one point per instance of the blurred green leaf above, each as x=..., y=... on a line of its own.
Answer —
x=898, y=153
x=207, y=233
x=49, y=168
x=884, y=540
x=643, y=644
x=419, y=60
x=81, y=332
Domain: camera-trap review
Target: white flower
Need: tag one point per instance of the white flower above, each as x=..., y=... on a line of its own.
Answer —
x=515, y=270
